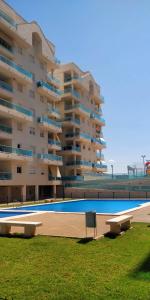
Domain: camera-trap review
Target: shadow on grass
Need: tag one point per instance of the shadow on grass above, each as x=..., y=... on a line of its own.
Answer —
x=16, y=235
x=111, y=235
x=85, y=240
x=142, y=271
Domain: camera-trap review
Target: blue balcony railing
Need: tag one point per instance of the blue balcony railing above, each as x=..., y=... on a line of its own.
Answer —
x=18, y=151
x=73, y=177
x=99, y=166
x=5, y=176
x=49, y=122
x=73, y=92
x=49, y=156
x=53, y=79
x=49, y=87
x=15, y=66
x=53, y=110
x=5, y=128
x=97, y=117
x=71, y=119
x=79, y=163
x=6, y=86
x=98, y=141
x=50, y=177
x=83, y=108
x=6, y=47
x=71, y=148
x=54, y=142
x=7, y=18
x=16, y=107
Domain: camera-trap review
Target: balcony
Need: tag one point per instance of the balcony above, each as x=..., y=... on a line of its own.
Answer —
x=80, y=164
x=100, y=167
x=54, y=144
x=7, y=19
x=10, y=153
x=70, y=149
x=9, y=68
x=76, y=81
x=78, y=108
x=73, y=178
x=99, y=156
x=15, y=110
x=98, y=98
x=79, y=136
x=49, y=90
x=54, y=112
x=71, y=92
x=50, y=124
x=70, y=121
x=53, y=80
x=55, y=179
x=99, y=143
x=5, y=176
x=6, y=89
x=6, y=49
x=5, y=132
x=97, y=118
x=50, y=159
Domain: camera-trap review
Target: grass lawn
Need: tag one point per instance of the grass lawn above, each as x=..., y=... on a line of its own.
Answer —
x=60, y=268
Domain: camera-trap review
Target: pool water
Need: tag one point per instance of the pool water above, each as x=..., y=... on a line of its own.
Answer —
x=5, y=213
x=99, y=206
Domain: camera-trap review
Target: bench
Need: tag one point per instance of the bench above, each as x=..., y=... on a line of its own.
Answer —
x=119, y=223
x=29, y=227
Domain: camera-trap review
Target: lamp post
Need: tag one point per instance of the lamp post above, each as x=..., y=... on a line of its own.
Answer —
x=143, y=157
x=112, y=171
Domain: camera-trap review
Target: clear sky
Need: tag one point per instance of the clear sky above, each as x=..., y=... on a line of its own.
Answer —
x=111, y=38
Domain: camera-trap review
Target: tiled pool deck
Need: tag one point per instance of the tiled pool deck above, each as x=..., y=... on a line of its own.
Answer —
x=73, y=224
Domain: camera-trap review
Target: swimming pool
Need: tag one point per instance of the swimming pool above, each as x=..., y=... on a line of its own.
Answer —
x=99, y=206
x=6, y=213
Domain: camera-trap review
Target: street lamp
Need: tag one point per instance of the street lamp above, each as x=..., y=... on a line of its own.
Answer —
x=143, y=157
x=112, y=171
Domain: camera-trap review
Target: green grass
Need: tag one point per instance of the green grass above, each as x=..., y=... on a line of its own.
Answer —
x=60, y=268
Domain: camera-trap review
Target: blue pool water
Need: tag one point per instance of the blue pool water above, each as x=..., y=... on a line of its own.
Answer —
x=100, y=206
x=4, y=214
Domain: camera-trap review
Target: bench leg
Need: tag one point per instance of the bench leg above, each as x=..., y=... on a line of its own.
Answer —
x=29, y=230
x=5, y=229
x=115, y=228
x=126, y=225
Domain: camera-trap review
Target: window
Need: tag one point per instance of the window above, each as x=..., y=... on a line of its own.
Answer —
x=19, y=126
x=42, y=134
x=20, y=50
x=19, y=146
x=31, y=94
x=20, y=87
x=19, y=170
x=32, y=130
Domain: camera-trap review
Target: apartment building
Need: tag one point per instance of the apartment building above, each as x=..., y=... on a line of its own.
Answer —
x=50, y=114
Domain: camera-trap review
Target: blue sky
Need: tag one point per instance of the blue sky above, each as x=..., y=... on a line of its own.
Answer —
x=111, y=38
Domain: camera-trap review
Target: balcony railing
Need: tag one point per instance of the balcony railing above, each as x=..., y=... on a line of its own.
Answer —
x=71, y=119
x=18, y=151
x=100, y=155
x=16, y=107
x=73, y=92
x=83, y=108
x=5, y=176
x=98, y=141
x=6, y=86
x=49, y=122
x=5, y=128
x=54, y=142
x=79, y=135
x=49, y=87
x=73, y=177
x=15, y=66
x=8, y=19
x=53, y=110
x=99, y=166
x=97, y=117
x=72, y=78
x=6, y=46
x=80, y=163
x=48, y=156
x=50, y=177
x=71, y=148
x=53, y=79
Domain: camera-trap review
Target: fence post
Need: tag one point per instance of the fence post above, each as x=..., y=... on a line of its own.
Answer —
x=129, y=195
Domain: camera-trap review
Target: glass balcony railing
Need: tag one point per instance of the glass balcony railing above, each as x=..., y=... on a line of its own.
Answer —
x=50, y=177
x=99, y=166
x=79, y=162
x=73, y=177
x=100, y=155
x=7, y=18
x=83, y=108
x=5, y=46
x=15, y=66
x=54, y=142
x=71, y=119
x=68, y=79
x=18, y=151
x=98, y=117
x=49, y=156
x=86, y=136
x=71, y=148
x=53, y=79
x=99, y=141
x=5, y=176
x=79, y=135
x=73, y=92
x=53, y=110
x=16, y=107
x=49, y=122
x=6, y=86
x=5, y=128
x=49, y=87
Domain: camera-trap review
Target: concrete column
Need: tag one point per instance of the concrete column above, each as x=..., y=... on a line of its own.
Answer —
x=54, y=191
x=36, y=192
x=23, y=193
x=9, y=196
